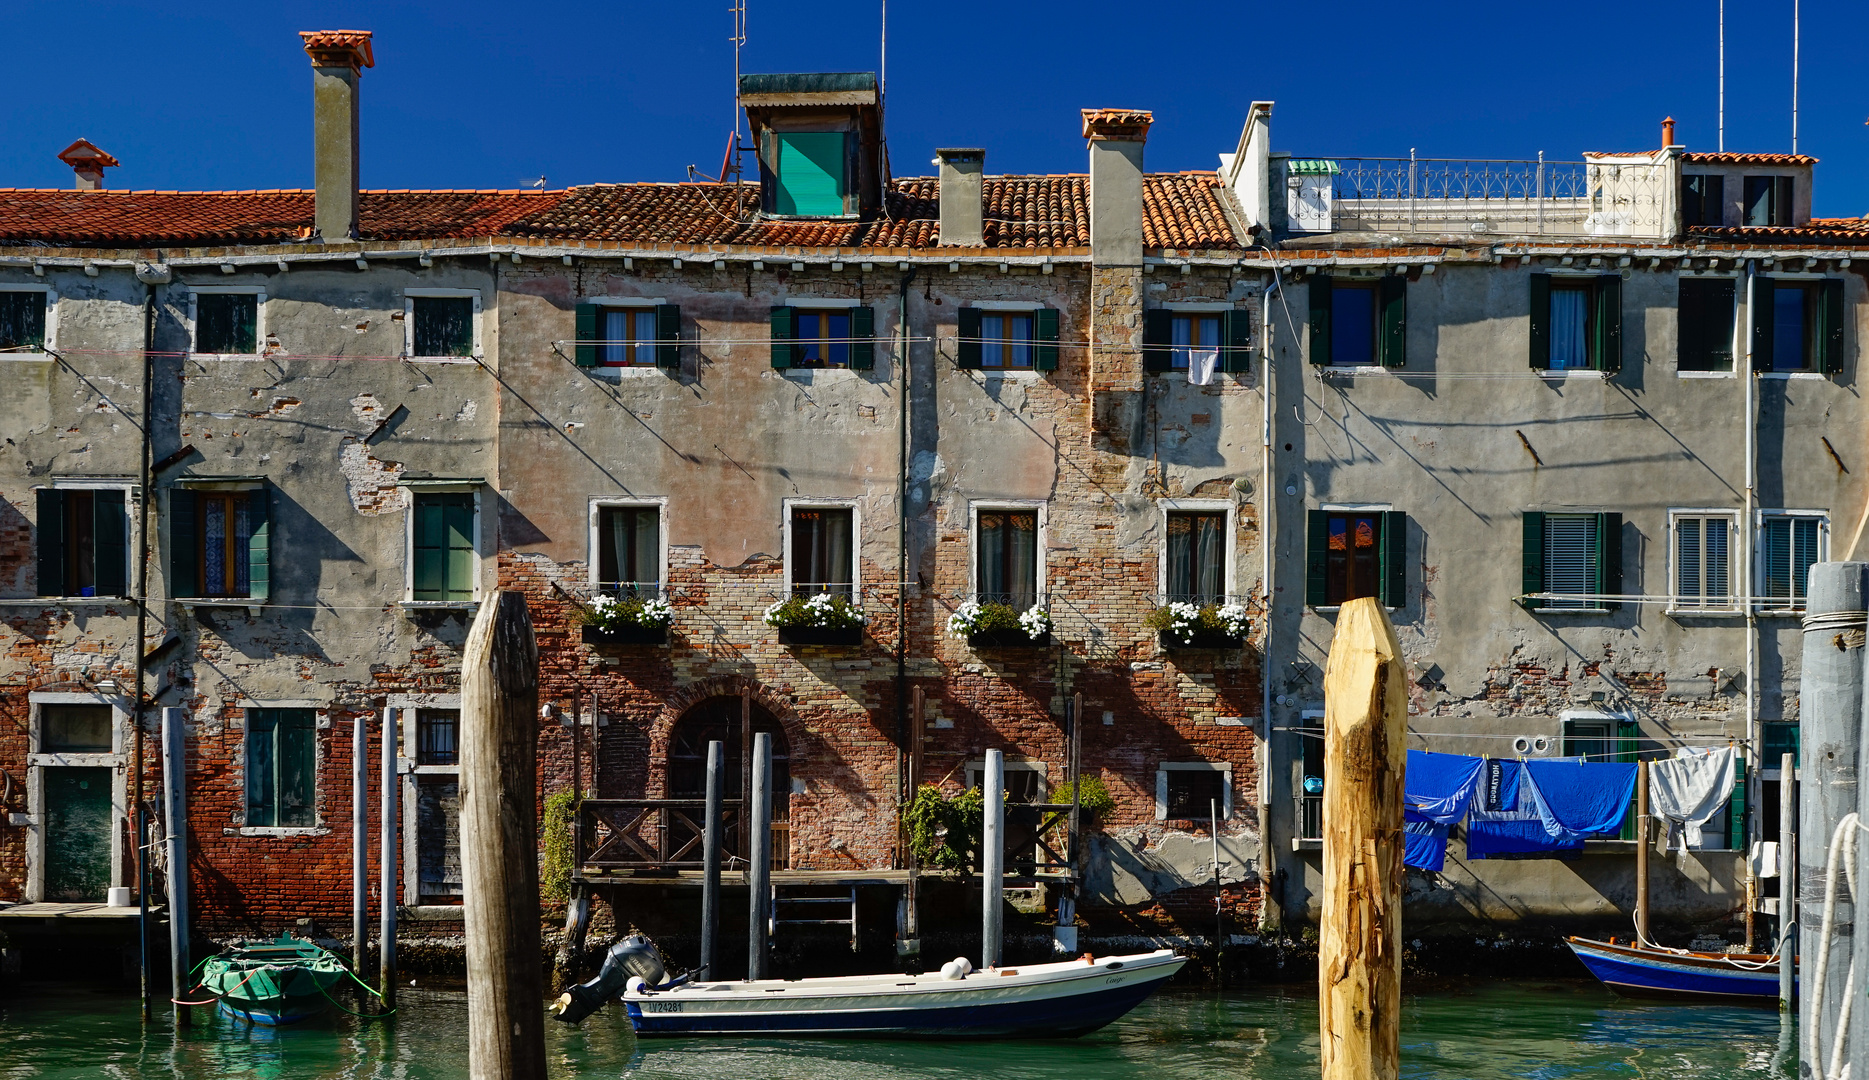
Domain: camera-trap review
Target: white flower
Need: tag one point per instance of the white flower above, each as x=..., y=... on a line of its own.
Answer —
x=1233, y=617
x=962, y=622
x=1036, y=622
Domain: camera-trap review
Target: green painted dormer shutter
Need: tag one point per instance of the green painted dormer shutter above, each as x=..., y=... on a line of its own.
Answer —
x=812, y=167
x=1045, y=334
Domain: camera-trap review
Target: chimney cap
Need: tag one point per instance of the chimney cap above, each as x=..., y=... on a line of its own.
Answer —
x=86, y=155
x=339, y=48
x=1117, y=125
x=961, y=153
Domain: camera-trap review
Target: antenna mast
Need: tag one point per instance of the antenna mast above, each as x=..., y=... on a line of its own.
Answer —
x=738, y=38
x=1794, y=76
x=1722, y=76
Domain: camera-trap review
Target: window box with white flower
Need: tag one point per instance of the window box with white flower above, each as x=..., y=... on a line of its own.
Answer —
x=825, y=619
x=1000, y=626
x=627, y=621
x=1200, y=626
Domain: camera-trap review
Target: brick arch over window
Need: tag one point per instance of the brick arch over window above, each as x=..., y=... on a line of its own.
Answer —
x=710, y=709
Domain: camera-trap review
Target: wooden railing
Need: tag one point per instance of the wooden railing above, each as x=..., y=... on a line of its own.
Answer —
x=662, y=834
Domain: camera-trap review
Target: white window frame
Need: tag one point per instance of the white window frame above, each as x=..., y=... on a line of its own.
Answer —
x=321, y=721
x=1226, y=785
x=1041, y=506
x=1736, y=606
x=405, y=706
x=976, y=772
x=409, y=297
x=594, y=536
x=1739, y=326
x=51, y=322
x=856, y=539
x=1761, y=604
x=1163, y=507
x=408, y=541
x=131, y=494
x=37, y=762
x=259, y=319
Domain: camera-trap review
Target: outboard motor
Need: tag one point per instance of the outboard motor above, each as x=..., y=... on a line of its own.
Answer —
x=633, y=957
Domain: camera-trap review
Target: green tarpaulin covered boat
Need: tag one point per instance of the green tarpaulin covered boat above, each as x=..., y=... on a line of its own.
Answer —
x=281, y=983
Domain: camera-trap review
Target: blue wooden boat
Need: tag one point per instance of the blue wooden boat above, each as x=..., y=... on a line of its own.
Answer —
x=1702, y=976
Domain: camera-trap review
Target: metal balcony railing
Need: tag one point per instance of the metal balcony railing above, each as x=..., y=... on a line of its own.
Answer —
x=1479, y=196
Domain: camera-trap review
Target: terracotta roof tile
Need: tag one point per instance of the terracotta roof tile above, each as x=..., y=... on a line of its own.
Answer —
x=1733, y=158
x=1819, y=230
x=141, y=218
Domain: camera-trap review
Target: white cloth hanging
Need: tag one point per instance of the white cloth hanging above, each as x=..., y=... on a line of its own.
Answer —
x=1690, y=789
x=1202, y=363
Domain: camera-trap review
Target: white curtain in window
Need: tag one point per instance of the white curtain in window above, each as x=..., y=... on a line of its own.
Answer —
x=1570, y=324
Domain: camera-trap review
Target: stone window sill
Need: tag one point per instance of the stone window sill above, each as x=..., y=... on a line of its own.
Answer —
x=62, y=601
x=439, y=605
x=280, y=830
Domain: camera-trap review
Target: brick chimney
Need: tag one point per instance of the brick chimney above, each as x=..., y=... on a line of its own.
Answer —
x=338, y=58
x=961, y=214
x=88, y=162
x=1116, y=137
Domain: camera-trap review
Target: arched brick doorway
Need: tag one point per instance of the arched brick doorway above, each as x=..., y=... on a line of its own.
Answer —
x=722, y=718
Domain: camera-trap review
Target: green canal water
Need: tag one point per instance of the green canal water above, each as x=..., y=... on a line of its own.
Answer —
x=1546, y=1031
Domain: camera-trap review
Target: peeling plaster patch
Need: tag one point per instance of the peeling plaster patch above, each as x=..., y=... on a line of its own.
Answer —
x=371, y=480
x=281, y=406
x=467, y=411
x=368, y=408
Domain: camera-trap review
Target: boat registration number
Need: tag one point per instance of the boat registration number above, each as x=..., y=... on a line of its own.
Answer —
x=661, y=1006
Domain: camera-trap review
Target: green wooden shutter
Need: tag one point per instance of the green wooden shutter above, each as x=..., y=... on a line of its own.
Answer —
x=1609, y=558
x=259, y=544
x=429, y=567
x=1045, y=336
x=459, y=521
x=1532, y=568
x=51, y=542
x=862, y=338
x=668, y=336
x=111, y=527
x=1317, y=558
x=262, y=768
x=1628, y=747
x=1392, y=346
x=967, y=331
x=1394, y=555
x=1541, y=322
x=1236, y=331
x=1319, y=290
x=1609, y=322
x=1158, y=335
x=1761, y=316
x=296, y=742
x=1830, y=327
x=1736, y=815
x=784, y=334
x=585, y=353
x=184, y=545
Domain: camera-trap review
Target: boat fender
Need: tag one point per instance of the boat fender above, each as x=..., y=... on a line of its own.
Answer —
x=635, y=985
x=951, y=971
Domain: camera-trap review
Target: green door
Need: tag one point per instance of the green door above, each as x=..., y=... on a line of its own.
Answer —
x=77, y=834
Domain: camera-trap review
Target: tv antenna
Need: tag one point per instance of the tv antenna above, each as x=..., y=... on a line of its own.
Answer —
x=730, y=165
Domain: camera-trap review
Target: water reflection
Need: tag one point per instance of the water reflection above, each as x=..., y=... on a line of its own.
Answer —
x=1557, y=1031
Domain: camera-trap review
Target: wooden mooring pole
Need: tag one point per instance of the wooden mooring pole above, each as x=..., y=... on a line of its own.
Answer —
x=1641, y=853
x=499, y=843
x=175, y=854
x=360, y=840
x=992, y=858
x=1360, y=931
x=1787, y=883
x=386, y=867
x=710, y=857
x=759, y=857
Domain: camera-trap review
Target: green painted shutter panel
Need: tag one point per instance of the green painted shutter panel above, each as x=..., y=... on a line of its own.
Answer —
x=1319, y=319
x=1532, y=575
x=967, y=329
x=184, y=545
x=296, y=738
x=262, y=768
x=812, y=165
x=668, y=336
x=1158, y=334
x=1045, y=336
x=1830, y=327
x=1628, y=748
x=1761, y=315
x=1609, y=322
x=1393, y=345
x=1609, y=558
x=459, y=522
x=430, y=569
x=585, y=353
x=863, y=338
x=1394, y=559
x=259, y=544
x=784, y=333
x=1236, y=331
x=1541, y=322
x=1316, y=558
x=51, y=542
x=111, y=527
x=1736, y=815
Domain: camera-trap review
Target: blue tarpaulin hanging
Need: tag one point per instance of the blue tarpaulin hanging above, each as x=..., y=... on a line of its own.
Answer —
x=1437, y=790
x=1576, y=799
x=1505, y=820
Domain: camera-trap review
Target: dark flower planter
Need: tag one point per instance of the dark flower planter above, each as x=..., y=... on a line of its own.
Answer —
x=820, y=635
x=628, y=635
x=1203, y=639
x=1008, y=639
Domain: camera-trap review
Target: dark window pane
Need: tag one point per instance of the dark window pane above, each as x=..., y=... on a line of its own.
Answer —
x=227, y=323
x=719, y=719
x=444, y=325
x=1008, y=558
x=1761, y=200
x=437, y=737
x=80, y=544
x=821, y=551
x=22, y=320
x=1353, y=325
x=1706, y=324
x=1196, y=793
x=1791, y=314
x=629, y=550
x=1571, y=316
x=823, y=339
x=75, y=729
x=1352, y=563
x=1197, y=558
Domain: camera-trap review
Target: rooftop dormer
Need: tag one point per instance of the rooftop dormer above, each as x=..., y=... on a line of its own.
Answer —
x=819, y=140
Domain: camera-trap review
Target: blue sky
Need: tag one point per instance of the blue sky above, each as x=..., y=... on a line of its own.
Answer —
x=481, y=94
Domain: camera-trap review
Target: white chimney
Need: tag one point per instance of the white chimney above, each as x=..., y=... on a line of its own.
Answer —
x=961, y=214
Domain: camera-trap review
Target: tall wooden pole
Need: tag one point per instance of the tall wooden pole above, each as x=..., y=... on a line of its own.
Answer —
x=360, y=839
x=387, y=863
x=1360, y=933
x=710, y=857
x=499, y=843
x=759, y=857
x=992, y=858
x=175, y=851
x=1641, y=853
x=1787, y=882
x=746, y=769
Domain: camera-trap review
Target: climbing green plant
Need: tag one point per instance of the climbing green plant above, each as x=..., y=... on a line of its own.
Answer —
x=944, y=833
x=1093, y=800
x=555, y=869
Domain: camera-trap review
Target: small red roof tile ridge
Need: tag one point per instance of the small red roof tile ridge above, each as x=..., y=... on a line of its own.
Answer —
x=1736, y=157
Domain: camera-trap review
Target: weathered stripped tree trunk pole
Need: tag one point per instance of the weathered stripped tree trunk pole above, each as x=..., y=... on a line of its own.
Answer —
x=499, y=843
x=1360, y=932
